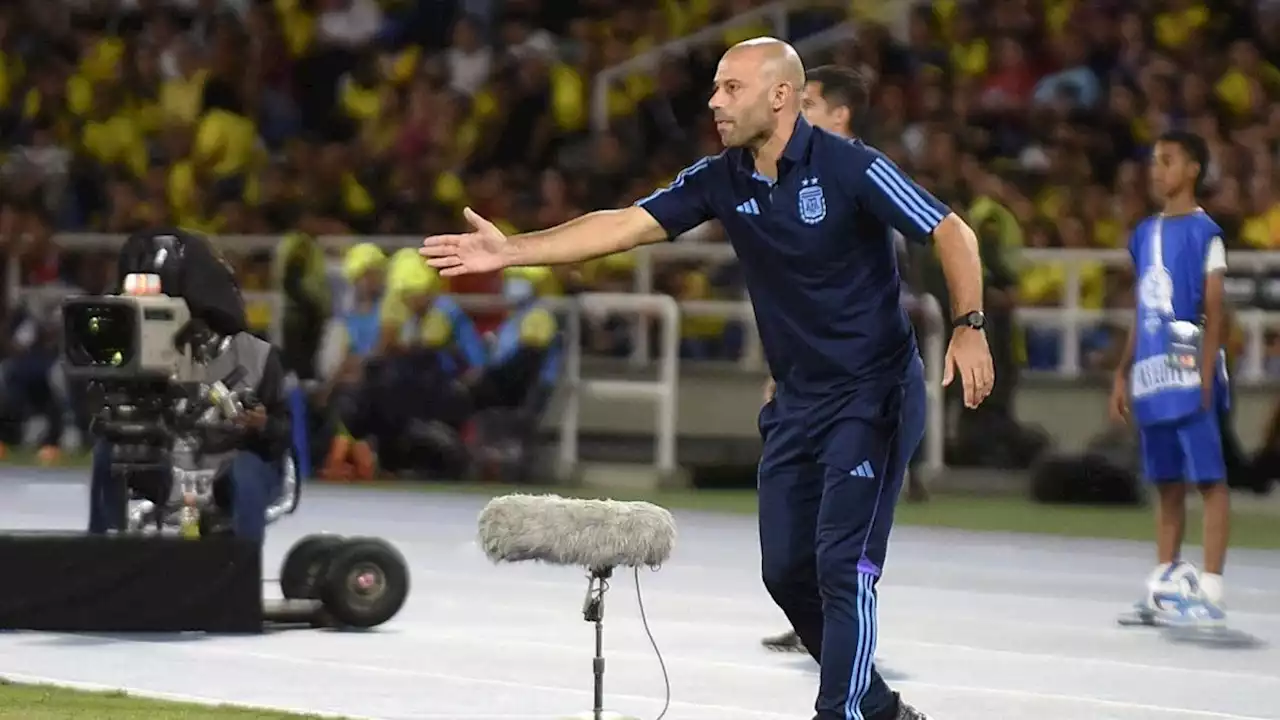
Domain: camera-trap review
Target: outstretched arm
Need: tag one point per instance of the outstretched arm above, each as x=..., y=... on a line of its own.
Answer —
x=593, y=235
x=667, y=213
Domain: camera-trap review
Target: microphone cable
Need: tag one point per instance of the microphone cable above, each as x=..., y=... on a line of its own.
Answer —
x=644, y=620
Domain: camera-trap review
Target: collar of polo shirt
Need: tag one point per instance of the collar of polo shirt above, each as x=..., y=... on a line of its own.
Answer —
x=795, y=153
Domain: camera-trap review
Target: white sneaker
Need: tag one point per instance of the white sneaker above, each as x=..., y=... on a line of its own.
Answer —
x=1189, y=611
x=1180, y=601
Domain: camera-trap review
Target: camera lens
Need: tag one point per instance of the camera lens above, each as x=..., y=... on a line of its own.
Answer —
x=99, y=334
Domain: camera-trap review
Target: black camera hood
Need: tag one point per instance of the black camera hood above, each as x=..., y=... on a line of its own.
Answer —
x=189, y=268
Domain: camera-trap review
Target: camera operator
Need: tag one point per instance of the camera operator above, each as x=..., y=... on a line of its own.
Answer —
x=250, y=474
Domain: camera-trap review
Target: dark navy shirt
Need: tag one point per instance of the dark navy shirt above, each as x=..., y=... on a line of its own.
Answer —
x=817, y=251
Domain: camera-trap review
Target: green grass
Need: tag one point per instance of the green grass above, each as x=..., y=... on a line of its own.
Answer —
x=46, y=702
x=26, y=458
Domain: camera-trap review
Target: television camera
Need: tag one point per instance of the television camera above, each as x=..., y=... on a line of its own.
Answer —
x=168, y=394
x=169, y=378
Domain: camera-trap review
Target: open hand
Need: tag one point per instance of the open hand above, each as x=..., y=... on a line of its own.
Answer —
x=969, y=356
x=474, y=252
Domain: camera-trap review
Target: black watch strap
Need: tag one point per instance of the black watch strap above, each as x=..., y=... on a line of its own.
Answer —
x=974, y=319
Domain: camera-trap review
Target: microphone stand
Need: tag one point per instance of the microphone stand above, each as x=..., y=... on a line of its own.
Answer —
x=593, y=612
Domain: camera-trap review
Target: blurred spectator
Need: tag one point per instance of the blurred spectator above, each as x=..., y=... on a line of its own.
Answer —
x=301, y=118
x=349, y=346
x=300, y=272
x=514, y=387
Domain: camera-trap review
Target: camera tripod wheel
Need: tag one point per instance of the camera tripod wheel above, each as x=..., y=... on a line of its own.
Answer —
x=366, y=582
x=306, y=564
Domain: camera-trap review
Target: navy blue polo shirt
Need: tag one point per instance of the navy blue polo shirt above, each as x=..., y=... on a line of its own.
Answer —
x=817, y=252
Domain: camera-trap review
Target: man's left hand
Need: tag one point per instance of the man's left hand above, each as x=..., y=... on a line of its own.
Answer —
x=254, y=418
x=969, y=356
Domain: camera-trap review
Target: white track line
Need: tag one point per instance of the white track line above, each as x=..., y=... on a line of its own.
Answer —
x=469, y=638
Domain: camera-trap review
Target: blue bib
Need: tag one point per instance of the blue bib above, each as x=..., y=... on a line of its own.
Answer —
x=1169, y=257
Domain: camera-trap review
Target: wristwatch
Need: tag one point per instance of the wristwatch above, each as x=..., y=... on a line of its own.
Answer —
x=975, y=320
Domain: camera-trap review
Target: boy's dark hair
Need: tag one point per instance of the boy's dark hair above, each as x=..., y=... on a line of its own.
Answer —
x=1196, y=149
x=841, y=86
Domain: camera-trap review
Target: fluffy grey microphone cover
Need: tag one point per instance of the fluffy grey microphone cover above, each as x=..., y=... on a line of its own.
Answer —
x=595, y=534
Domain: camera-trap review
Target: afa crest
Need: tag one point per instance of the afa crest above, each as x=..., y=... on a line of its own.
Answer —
x=812, y=202
x=1155, y=290
x=1155, y=297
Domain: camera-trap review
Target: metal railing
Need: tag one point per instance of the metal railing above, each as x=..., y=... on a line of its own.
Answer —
x=662, y=392
x=1072, y=319
x=934, y=350
x=1069, y=317
x=641, y=302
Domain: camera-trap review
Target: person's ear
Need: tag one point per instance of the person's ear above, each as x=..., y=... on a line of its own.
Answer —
x=782, y=92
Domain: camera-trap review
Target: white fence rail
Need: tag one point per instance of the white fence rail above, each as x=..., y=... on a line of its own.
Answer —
x=643, y=302
x=662, y=392
x=661, y=307
x=1069, y=316
x=1073, y=320
x=934, y=349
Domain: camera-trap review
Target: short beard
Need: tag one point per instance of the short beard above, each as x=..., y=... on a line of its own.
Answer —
x=757, y=140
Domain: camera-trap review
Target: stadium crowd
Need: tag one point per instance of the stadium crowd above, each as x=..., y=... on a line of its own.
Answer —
x=301, y=118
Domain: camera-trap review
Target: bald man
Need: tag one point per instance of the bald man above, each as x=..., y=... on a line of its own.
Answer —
x=811, y=216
